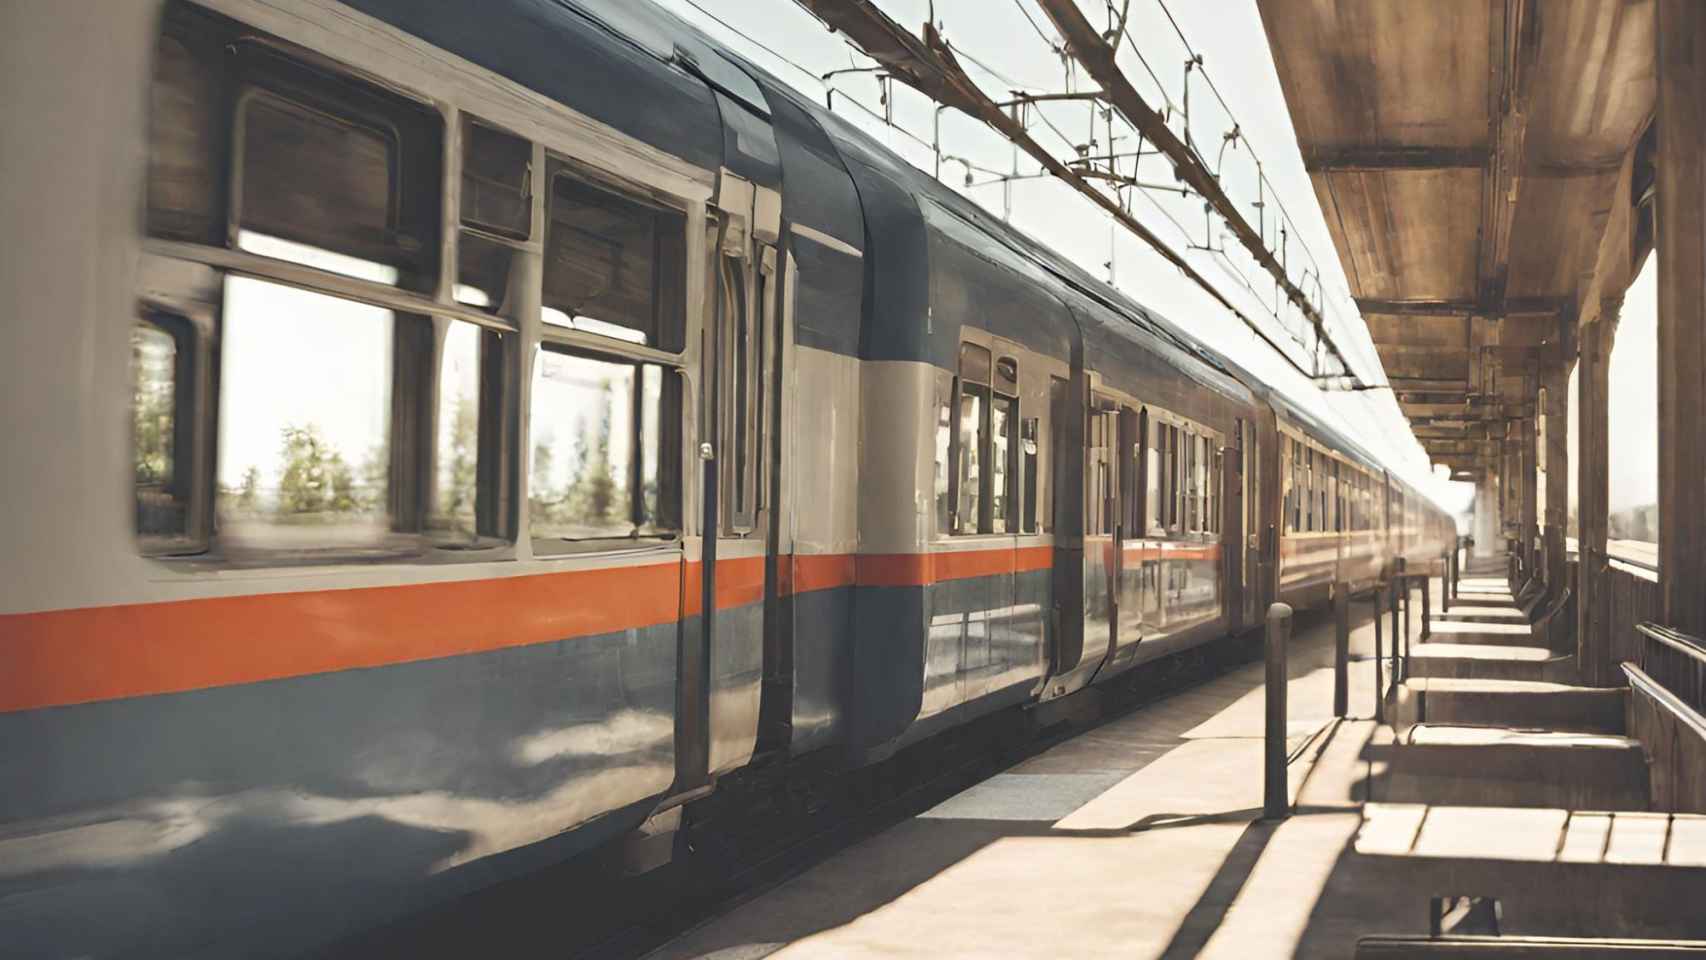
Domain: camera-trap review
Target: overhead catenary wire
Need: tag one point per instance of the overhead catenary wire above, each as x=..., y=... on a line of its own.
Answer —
x=1041, y=115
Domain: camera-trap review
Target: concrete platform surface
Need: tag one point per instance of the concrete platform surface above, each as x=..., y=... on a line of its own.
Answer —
x=1482, y=614
x=1531, y=704
x=1141, y=838
x=1490, y=662
x=1495, y=766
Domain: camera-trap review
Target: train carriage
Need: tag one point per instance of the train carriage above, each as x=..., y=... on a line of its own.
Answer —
x=446, y=438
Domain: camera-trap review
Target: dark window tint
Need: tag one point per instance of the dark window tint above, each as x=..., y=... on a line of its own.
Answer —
x=495, y=176
x=161, y=371
x=614, y=266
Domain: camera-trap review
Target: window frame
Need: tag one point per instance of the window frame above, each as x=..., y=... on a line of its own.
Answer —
x=181, y=264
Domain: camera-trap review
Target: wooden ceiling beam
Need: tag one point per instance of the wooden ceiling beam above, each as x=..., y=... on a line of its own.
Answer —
x=1373, y=159
x=1513, y=51
x=1521, y=306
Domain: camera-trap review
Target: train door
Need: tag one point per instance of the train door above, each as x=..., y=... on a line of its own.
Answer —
x=1239, y=506
x=1101, y=523
x=736, y=404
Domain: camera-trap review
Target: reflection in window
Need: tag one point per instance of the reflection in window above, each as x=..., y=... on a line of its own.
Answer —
x=304, y=420
x=161, y=505
x=458, y=440
x=944, y=439
x=970, y=447
x=495, y=181
x=1029, y=433
x=1001, y=415
x=614, y=264
x=596, y=442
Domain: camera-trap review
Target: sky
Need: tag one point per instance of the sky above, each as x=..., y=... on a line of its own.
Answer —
x=1003, y=49
x=1633, y=395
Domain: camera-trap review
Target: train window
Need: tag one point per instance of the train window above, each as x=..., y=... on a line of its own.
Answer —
x=740, y=380
x=468, y=456
x=946, y=387
x=1104, y=442
x=1201, y=481
x=1004, y=451
x=496, y=181
x=1299, y=486
x=1309, y=489
x=603, y=462
x=1194, y=482
x=338, y=167
x=1152, y=477
x=305, y=437
x=1029, y=438
x=1002, y=472
x=614, y=266
x=184, y=132
x=1063, y=413
x=971, y=446
x=162, y=368
x=1216, y=477
x=342, y=426
x=1171, y=494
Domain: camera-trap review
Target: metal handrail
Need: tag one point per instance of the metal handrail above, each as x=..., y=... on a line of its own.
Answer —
x=1631, y=561
x=1676, y=661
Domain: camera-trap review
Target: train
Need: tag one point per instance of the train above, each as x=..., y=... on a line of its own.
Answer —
x=444, y=439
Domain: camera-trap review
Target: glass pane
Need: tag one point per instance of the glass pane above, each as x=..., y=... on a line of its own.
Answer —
x=315, y=178
x=495, y=193
x=971, y=422
x=583, y=444
x=651, y=407
x=458, y=426
x=614, y=264
x=1028, y=432
x=304, y=420
x=974, y=363
x=944, y=436
x=183, y=142
x=161, y=509
x=1001, y=500
x=740, y=362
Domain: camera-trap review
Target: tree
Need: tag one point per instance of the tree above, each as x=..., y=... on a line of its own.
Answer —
x=459, y=476
x=342, y=496
x=304, y=482
x=375, y=477
x=151, y=405
x=594, y=497
x=248, y=494
x=540, y=501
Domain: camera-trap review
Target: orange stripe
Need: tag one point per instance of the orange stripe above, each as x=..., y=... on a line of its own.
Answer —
x=919, y=569
x=1208, y=552
x=61, y=657
x=100, y=653
x=811, y=572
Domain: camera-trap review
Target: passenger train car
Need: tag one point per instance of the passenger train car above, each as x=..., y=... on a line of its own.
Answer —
x=442, y=437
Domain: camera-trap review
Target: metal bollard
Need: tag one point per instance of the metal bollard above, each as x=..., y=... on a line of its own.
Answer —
x=1427, y=607
x=1404, y=579
x=1276, y=801
x=1379, y=655
x=1397, y=585
x=1341, y=649
x=1445, y=585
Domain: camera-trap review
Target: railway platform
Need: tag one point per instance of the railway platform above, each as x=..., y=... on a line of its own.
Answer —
x=1481, y=806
